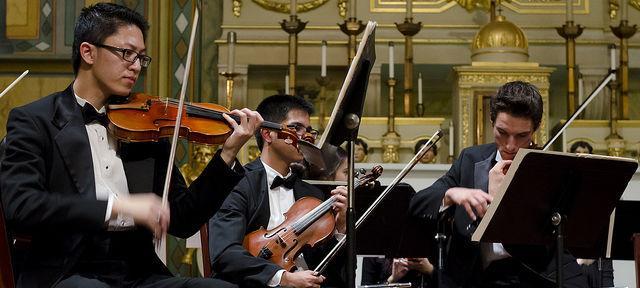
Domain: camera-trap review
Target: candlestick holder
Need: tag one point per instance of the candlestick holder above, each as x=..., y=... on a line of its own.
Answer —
x=570, y=32
x=420, y=109
x=323, y=81
x=615, y=142
x=408, y=29
x=229, y=87
x=293, y=27
x=624, y=31
x=391, y=139
x=352, y=27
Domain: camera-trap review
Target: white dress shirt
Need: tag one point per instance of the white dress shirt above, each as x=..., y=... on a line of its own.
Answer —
x=108, y=170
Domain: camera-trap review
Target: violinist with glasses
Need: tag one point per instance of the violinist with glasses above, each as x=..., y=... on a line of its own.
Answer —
x=268, y=191
x=92, y=205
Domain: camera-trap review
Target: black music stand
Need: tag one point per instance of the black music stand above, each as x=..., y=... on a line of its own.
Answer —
x=344, y=124
x=569, y=191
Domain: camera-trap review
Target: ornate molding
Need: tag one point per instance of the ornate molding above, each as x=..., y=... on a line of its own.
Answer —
x=284, y=6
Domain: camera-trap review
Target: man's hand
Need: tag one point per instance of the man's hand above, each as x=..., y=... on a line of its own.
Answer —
x=301, y=279
x=496, y=176
x=249, y=122
x=340, y=208
x=146, y=210
x=470, y=199
x=421, y=265
x=399, y=269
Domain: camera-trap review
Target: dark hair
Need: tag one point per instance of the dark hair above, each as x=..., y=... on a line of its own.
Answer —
x=360, y=141
x=276, y=107
x=584, y=144
x=421, y=143
x=518, y=99
x=99, y=21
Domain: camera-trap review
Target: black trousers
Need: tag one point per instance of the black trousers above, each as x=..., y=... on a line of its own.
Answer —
x=155, y=281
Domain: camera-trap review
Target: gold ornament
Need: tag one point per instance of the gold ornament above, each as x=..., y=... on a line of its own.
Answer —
x=283, y=6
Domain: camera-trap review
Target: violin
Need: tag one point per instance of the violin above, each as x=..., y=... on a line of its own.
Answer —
x=307, y=223
x=144, y=118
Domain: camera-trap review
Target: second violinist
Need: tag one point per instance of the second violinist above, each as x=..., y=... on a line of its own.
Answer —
x=262, y=198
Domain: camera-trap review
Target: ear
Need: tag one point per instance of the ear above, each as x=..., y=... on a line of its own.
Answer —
x=266, y=135
x=87, y=53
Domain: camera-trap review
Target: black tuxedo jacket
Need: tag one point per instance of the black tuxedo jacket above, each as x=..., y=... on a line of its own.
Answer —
x=48, y=190
x=244, y=211
x=463, y=267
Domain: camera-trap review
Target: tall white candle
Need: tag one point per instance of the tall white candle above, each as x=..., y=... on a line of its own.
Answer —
x=323, y=68
x=391, y=70
x=409, y=9
x=286, y=84
x=231, y=54
x=569, y=10
x=580, y=89
x=612, y=50
x=352, y=8
x=452, y=135
x=419, y=88
x=294, y=7
x=624, y=11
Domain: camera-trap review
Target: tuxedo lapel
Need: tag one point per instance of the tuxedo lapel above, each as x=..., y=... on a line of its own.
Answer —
x=258, y=175
x=481, y=173
x=73, y=142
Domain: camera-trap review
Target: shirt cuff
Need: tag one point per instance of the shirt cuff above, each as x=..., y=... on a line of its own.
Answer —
x=107, y=215
x=339, y=236
x=443, y=207
x=275, y=280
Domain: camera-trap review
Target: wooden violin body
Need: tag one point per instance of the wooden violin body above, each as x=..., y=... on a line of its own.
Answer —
x=282, y=245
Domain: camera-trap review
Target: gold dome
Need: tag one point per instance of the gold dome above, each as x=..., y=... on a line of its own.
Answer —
x=500, y=41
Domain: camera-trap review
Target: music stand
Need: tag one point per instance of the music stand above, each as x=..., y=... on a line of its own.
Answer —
x=569, y=191
x=345, y=123
x=624, y=226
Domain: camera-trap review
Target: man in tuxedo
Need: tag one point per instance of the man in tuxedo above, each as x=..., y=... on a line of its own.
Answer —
x=468, y=187
x=262, y=198
x=92, y=206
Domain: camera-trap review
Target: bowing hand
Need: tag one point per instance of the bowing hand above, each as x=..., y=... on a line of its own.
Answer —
x=249, y=122
x=340, y=208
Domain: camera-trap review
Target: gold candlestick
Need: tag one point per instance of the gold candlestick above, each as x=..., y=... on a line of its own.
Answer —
x=408, y=29
x=293, y=27
x=229, y=87
x=624, y=32
x=615, y=142
x=570, y=32
x=391, y=139
x=323, y=81
x=352, y=27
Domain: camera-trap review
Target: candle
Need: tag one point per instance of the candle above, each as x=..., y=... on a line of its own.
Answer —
x=286, y=84
x=624, y=9
x=564, y=141
x=580, y=88
x=352, y=8
x=323, y=69
x=612, y=50
x=452, y=135
x=409, y=8
x=391, y=74
x=231, y=47
x=419, y=88
x=569, y=10
x=293, y=7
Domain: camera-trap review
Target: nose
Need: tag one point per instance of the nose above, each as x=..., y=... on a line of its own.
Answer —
x=136, y=65
x=512, y=144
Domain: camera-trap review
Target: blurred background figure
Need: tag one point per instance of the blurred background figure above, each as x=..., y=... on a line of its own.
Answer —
x=361, y=151
x=581, y=147
x=430, y=156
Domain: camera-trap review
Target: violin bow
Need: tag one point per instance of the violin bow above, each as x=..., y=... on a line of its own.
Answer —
x=176, y=130
x=14, y=83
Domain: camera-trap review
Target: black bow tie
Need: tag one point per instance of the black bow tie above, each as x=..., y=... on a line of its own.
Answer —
x=89, y=114
x=286, y=182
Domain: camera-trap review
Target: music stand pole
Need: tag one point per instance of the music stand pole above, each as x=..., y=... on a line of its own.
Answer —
x=351, y=122
x=556, y=220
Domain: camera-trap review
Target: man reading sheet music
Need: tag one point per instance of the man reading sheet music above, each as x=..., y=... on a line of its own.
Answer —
x=467, y=189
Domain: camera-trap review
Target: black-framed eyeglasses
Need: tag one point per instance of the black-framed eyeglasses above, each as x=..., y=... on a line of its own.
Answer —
x=129, y=55
x=301, y=130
